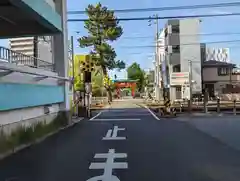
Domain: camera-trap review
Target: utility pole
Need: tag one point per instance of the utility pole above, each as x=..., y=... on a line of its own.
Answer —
x=157, y=70
x=35, y=50
x=190, y=83
x=73, y=69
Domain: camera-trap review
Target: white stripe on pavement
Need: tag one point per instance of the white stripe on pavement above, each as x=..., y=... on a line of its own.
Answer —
x=96, y=115
x=116, y=119
x=107, y=107
x=154, y=115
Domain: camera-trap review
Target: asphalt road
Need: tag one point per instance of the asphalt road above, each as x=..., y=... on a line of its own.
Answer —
x=148, y=150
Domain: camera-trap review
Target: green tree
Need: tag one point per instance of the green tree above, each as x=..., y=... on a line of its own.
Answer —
x=103, y=28
x=135, y=72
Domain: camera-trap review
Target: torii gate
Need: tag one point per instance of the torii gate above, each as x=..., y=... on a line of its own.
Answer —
x=125, y=83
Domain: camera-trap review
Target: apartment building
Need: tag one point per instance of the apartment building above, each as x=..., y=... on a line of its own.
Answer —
x=218, y=54
x=181, y=45
x=25, y=45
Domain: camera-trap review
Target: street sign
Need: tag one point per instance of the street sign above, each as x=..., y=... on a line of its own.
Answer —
x=179, y=78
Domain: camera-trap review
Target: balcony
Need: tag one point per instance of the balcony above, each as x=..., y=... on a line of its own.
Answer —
x=10, y=56
x=28, y=18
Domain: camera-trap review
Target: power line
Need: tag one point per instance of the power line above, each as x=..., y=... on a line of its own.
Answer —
x=199, y=34
x=171, y=8
x=154, y=46
x=166, y=17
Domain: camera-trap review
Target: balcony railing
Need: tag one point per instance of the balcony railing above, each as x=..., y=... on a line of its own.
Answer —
x=17, y=58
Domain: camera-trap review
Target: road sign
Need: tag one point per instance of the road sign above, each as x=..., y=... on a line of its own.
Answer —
x=87, y=65
x=179, y=78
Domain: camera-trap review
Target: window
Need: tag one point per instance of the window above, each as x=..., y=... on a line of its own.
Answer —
x=166, y=48
x=177, y=68
x=175, y=48
x=223, y=71
x=175, y=28
x=166, y=32
x=178, y=89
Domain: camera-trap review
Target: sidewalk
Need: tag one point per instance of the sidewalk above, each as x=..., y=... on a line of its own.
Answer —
x=39, y=140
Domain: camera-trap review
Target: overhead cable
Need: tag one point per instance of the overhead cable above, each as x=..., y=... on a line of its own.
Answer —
x=163, y=46
x=198, y=34
x=166, y=17
x=171, y=8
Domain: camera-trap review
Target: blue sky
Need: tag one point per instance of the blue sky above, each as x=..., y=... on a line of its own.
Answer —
x=141, y=29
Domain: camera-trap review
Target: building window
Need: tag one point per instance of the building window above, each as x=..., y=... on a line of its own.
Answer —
x=175, y=48
x=177, y=68
x=175, y=29
x=223, y=71
x=166, y=32
x=178, y=89
x=166, y=48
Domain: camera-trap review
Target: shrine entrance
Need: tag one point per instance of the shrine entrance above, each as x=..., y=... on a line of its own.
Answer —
x=125, y=87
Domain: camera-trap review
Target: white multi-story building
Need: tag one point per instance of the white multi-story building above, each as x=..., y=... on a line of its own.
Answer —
x=218, y=54
x=25, y=45
x=175, y=50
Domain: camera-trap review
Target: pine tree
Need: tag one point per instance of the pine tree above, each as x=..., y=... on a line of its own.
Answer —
x=103, y=28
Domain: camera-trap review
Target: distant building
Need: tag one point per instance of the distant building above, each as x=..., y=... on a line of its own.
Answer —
x=179, y=43
x=218, y=77
x=218, y=54
x=25, y=45
x=150, y=77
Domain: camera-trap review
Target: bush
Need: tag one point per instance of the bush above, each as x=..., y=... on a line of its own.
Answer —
x=99, y=93
x=24, y=135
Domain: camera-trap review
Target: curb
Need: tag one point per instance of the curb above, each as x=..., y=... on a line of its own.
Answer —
x=22, y=147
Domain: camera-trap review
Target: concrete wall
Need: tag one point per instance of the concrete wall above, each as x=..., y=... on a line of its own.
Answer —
x=190, y=50
x=27, y=104
x=44, y=8
x=51, y=3
x=28, y=114
x=60, y=49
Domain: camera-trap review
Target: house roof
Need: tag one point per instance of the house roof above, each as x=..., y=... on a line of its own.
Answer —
x=214, y=63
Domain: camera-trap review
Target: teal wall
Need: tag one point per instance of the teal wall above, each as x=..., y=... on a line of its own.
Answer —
x=42, y=12
x=14, y=95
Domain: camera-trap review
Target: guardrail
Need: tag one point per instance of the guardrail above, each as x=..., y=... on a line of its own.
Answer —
x=217, y=106
x=17, y=58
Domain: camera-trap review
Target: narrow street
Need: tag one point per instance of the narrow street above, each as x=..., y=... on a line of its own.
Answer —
x=146, y=149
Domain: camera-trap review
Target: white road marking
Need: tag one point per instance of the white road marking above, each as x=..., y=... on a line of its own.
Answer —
x=107, y=107
x=112, y=134
x=112, y=119
x=154, y=115
x=109, y=133
x=96, y=116
x=108, y=166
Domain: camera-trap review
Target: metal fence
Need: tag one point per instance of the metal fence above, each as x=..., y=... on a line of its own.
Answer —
x=217, y=106
x=17, y=58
